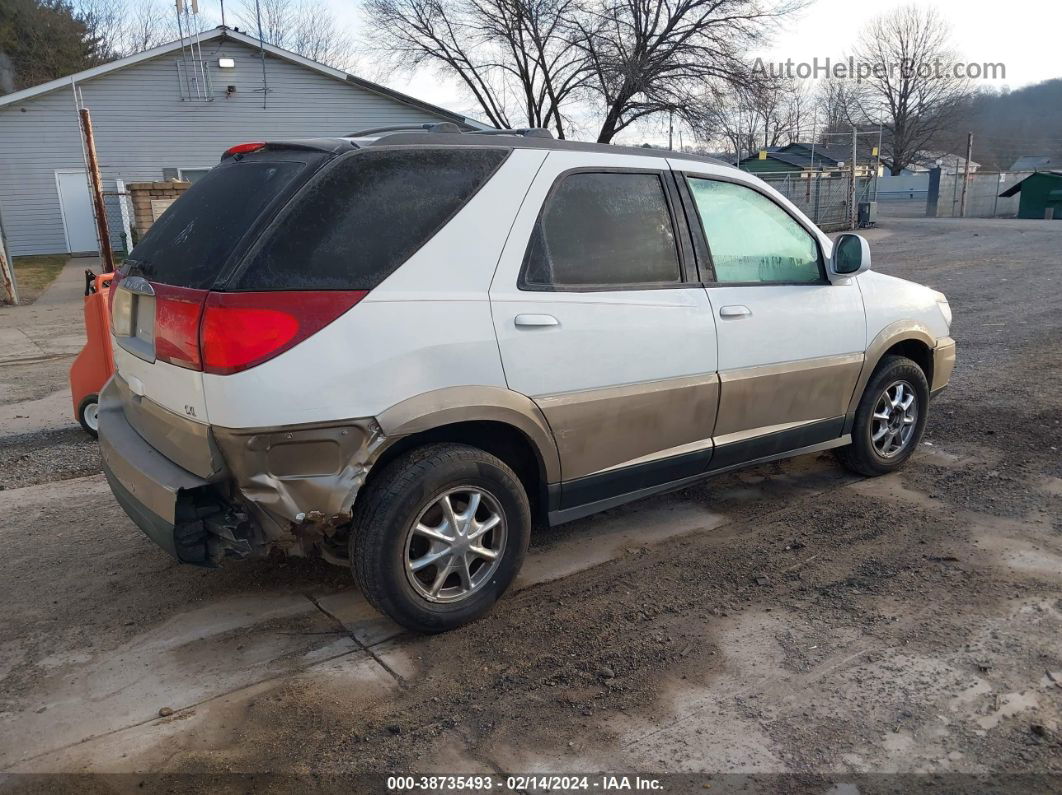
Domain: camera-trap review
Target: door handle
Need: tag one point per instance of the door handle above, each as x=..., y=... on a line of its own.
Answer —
x=534, y=321
x=735, y=310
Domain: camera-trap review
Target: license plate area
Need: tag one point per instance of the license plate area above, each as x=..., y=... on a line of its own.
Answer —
x=133, y=317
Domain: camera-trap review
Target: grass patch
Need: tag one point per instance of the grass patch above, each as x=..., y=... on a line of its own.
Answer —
x=34, y=274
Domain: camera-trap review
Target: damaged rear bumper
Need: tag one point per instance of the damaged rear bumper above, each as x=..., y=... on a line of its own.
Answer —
x=167, y=502
x=255, y=490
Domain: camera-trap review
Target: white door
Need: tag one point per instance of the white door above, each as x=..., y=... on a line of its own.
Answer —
x=602, y=322
x=76, y=205
x=791, y=343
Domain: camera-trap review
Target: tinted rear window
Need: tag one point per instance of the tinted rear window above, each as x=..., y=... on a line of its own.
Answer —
x=358, y=220
x=192, y=240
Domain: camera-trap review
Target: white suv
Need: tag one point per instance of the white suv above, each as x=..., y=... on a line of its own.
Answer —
x=400, y=351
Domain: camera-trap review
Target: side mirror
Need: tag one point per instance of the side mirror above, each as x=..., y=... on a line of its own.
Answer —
x=851, y=256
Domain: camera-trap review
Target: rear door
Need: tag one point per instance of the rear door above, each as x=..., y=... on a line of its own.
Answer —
x=600, y=320
x=791, y=343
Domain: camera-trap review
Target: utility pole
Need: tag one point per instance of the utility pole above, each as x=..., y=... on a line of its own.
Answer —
x=97, y=192
x=852, y=212
x=966, y=174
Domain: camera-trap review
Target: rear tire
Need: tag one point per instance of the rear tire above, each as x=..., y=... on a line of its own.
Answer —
x=88, y=414
x=439, y=535
x=889, y=420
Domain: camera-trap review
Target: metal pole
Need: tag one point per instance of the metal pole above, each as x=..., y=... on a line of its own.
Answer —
x=261, y=50
x=877, y=166
x=853, y=215
x=97, y=193
x=966, y=174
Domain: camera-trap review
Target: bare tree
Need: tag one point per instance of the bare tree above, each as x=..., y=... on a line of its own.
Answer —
x=125, y=27
x=653, y=56
x=513, y=56
x=912, y=90
x=306, y=27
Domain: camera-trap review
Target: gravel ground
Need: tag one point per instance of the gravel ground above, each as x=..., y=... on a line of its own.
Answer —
x=821, y=625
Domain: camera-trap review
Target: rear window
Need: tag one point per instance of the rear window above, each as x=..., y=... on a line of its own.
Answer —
x=191, y=242
x=358, y=220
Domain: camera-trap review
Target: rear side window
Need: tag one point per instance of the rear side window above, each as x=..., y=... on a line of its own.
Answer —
x=363, y=216
x=190, y=243
x=602, y=229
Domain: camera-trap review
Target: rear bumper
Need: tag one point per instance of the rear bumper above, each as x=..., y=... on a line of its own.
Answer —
x=162, y=499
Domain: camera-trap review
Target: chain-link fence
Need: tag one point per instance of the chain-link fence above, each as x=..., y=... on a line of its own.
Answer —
x=822, y=195
x=982, y=195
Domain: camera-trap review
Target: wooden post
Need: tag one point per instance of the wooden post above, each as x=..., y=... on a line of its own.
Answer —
x=7, y=275
x=97, y=192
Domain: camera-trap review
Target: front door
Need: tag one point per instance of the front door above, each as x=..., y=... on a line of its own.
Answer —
x=602, y=322
x=75, y=203
x=791, y=344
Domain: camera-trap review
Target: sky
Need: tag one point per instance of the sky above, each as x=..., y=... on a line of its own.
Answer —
x=1021, y=34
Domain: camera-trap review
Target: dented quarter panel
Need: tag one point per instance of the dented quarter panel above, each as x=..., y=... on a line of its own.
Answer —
x=301, y=477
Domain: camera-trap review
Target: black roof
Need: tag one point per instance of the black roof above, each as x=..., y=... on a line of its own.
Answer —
x=512, y=139
x=519, y=141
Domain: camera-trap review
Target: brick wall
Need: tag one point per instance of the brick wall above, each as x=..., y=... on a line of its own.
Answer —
x=150, y=199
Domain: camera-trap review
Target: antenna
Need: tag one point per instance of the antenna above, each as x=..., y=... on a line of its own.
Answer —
x=261, y=51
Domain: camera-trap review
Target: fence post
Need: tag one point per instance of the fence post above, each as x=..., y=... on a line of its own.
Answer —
x=933, y=193
x=818, y=194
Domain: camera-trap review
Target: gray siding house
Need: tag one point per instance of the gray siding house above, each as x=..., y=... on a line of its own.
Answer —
x=168, y=113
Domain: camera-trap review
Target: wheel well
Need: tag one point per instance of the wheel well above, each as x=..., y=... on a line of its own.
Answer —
x=918, y=352
x=497, y=438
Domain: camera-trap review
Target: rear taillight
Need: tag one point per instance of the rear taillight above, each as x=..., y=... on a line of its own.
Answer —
x=241, y=330
x=178, y=311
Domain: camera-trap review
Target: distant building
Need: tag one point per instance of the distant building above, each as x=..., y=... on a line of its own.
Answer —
x=1034, y=163
x=1040, y=192
x=947, y=162
x=169, y=113
x=802, y=157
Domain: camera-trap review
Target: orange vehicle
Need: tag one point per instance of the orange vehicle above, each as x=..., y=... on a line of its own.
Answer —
x=95, y=364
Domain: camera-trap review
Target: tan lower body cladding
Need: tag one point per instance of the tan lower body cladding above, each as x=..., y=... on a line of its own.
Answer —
x=602, y=429
x=599, y=429
x=754, y=401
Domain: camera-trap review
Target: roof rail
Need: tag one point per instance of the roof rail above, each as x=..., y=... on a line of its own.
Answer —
x=440, y=127
x=527, y=132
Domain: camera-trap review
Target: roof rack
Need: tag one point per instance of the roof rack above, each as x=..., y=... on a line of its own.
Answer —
x=450, y=127
x=527, y=132
x=440, y=127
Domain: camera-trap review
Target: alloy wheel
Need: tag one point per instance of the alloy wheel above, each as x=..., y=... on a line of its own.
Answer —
x=894, y=420
x=455, y=545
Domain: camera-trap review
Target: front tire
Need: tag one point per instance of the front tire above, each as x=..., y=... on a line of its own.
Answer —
x=439, y=535
x=889, y=420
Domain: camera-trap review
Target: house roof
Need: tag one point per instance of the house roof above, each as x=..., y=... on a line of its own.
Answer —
x=224, y=33
x=795, y=158
x=1031, y=162
x=1055, y=173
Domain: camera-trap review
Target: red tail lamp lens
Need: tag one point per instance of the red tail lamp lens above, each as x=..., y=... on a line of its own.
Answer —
x=241, y=330
x=177, y=314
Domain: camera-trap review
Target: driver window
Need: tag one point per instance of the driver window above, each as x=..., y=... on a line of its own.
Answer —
x=751, y=238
